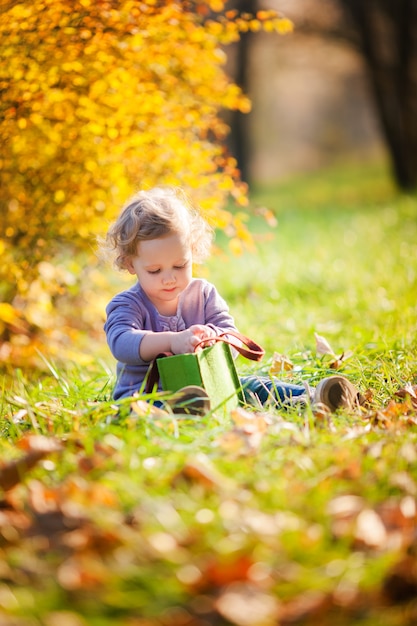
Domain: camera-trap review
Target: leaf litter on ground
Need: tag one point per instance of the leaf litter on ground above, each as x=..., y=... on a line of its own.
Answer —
x=237, y=545
x=262, y=517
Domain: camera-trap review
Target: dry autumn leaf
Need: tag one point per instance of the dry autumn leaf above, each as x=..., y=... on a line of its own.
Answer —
x=200, y=470
x=247, y=433
x=408, y=391
x=221, y=571
x=145, y=409
x=338, y=362
x=323, y=346
x=280, y=363
x=370, y=530
x=37, y=448
x=249, y=422
x=394, y=415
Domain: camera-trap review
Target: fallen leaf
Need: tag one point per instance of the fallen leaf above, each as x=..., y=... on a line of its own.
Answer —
x=245, y=605
x=39, y=443
x=337, y=364
x=394, y=415
x=246, y=436
x=222, y=570
x=280, y=363
x=163, y=543
x=370, y=529
x=310, y=605
x=43, y=499
x=249, y=422
x=82, y=571
x=344, y=510
x=404, y=481
x=408, y=391
x=38, y=447
x=366, y=398
x=146, y=409
x=323, y=346
x=200, y=470
x=19, y=416
x=346, y=505
x=322, y=414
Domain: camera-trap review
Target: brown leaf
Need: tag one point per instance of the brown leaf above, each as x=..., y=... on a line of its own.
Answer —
x=409, y=391
x=337, y=364
x=235, y=443
x=220, y=571
x=38, y=447
x=394, y=415
x=366, y=398
x=247, y=434
x=43, y=499
x=321, y=414
x=39, y=443
x=82, y=571
x=399, y=518
x=17, y=520
x=200, y=470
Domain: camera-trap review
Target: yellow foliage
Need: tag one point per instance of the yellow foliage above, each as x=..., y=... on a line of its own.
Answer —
x=99, y=98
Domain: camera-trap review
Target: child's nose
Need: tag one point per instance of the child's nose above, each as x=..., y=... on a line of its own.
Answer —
x=169, y=277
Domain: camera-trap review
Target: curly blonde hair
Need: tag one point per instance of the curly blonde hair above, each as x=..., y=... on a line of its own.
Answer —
x=153, y=214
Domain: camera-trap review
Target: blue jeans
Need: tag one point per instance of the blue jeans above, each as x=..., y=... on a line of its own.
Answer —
x=266, y=389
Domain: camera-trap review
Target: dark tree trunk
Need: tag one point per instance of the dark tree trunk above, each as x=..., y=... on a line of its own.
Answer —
x=239, y=135
x=387, y=33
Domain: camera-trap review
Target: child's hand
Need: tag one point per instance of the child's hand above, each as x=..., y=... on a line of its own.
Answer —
x=186, y=340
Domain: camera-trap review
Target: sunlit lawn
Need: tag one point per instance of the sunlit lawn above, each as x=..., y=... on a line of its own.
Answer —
x=279, y=518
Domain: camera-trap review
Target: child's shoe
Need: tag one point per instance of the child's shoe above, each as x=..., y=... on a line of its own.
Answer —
x=336, y=392
x=190, y=400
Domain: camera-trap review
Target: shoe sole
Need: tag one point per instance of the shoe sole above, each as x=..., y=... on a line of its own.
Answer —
x=336, y=392
x=191, y=400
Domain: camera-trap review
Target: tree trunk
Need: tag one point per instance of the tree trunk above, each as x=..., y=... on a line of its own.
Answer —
x=387, y=31
x=239, y=135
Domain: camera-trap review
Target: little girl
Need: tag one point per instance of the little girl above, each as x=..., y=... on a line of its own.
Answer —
x=157, y=238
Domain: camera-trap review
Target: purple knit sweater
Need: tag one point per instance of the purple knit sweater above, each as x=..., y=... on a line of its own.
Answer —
x=130, y=314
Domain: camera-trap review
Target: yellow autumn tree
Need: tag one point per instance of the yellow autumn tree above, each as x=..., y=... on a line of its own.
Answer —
x=99, y=97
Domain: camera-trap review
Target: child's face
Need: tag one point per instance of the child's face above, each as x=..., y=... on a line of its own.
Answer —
x=164, y=269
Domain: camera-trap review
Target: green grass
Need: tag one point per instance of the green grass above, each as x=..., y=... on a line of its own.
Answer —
x=168, y=521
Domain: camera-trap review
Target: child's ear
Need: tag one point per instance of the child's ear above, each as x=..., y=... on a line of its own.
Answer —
x=127, y=262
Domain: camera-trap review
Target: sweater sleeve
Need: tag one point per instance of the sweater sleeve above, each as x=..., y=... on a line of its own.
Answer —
x=124, y=328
